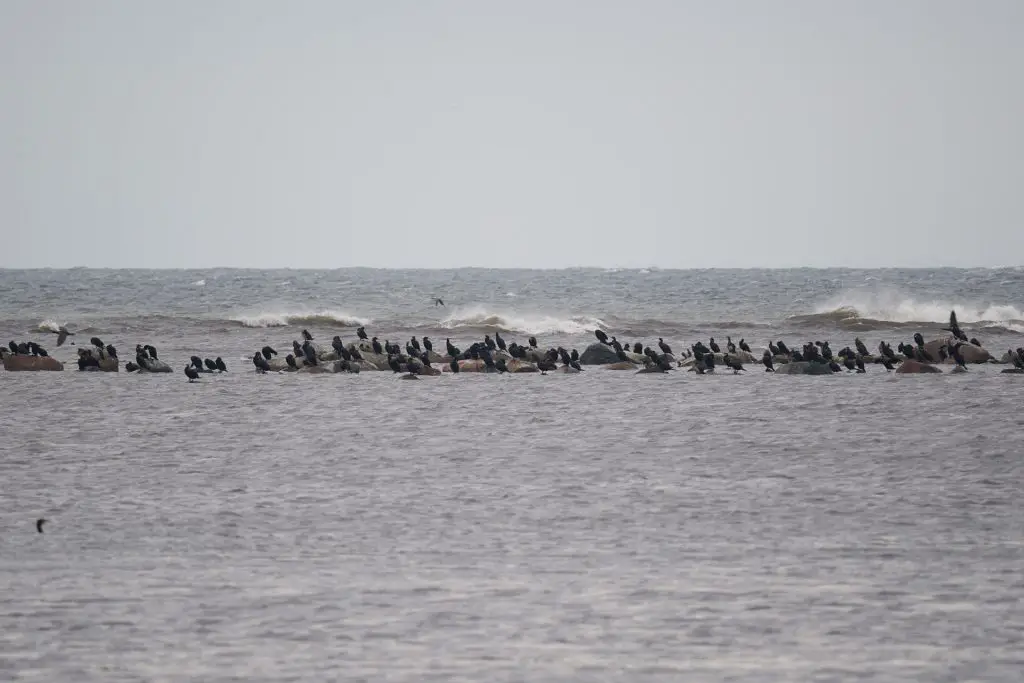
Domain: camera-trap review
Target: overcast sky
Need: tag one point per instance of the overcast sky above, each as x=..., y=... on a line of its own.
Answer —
x=547, y=133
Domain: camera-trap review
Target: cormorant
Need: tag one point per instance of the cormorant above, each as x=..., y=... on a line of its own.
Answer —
x=191, y=373
x=714, y=346
x=454, y=365
x=309, y=352
x=733, y=362
x=861, y=349
x=638, y=348
x=499, y=341
x=268, y=352
x=783, y=349
x=210, y=365
x=429, y=345
x=533, y=342
x=97, y=342
x=438, y=302
x=377, y=348
x=361, y=332
x=954, y=351
x=602, y=337
x=415, y=344
x=860, y=364
x=306, y=335
x=290, y=360
x=452, y=350
x=111, y=351
x=729, y=345
x=394, y=364
x=974, y=340
x=62, y=335
x=219, y=362
x=500, y=364
x=151, y=350
x=769, y=362
x=773, y=349
x=575, y=355
x=665, y=348
x=954, y=327
x=261, y=363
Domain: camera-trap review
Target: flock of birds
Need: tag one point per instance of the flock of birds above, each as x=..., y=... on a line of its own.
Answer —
x=493, y=351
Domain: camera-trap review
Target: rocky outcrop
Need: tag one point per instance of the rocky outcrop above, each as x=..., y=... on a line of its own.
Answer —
x=23, y=363
x=598, y=354
x=803, y=368
x=970, y=352
x=913, y=367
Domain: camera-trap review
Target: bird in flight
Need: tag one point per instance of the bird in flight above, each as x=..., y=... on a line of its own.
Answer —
x=438, y=302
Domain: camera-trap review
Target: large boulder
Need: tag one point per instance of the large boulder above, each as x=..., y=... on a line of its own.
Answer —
x=970, y=352
x=23, y=363
x=517, y=365
x=913, y=367
x=598, y=354
x=153, y=365
x=621, y=365
x=803, y=368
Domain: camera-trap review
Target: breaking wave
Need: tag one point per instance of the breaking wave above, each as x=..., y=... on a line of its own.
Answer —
x=480, y=318
x=326, y=318
x=47, y=326
x=872, y=310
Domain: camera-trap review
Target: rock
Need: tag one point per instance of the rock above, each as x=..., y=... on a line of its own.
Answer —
x=598, y=354
x=621, y=365
x=516, y=365
x=803, y=368
x=651, y=369
x=21, y=363
x=468, y=365
x=970, y=352
x=409, y=376
x=1013, y=371
x=913, y=367
x=152, y=365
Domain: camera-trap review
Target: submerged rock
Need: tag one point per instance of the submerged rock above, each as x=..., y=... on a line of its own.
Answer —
x=913, y=367
x=803, y=368
x=22, y=363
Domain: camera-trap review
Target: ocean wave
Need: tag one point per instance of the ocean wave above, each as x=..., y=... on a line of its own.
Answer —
x=480, y=318
x=872, y=310
x=47, y=326
x=325, y=318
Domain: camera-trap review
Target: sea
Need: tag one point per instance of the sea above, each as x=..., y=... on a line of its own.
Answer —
x=600, y=526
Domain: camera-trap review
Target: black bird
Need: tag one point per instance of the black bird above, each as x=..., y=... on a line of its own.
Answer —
x=268, y=351
x=850, y=365
x=409, y=350
x=974, y=340
x=377, y=348
x=452, y=350
x=826, y=352
x=861, y=349
x=886, y=351
x=454, y=365
x=13, y=347
x=41, y=522
x=354, y=354
x=219, y=362
x=621, y=354
x=415, y=345
x=744, y=346
x=290, y=360
x=306, y=335
x=111, y=351
x=1017, y=358
x=500, y=364
x=908, y=351
x=438, y=302
x=734, y=363
x=533, y=342
x=361, y=333
x=954, y=327
x=714, y=346
x=62, y=335
x=97, y=342
x=425, y=359
x=783, y=349
x=499, y=341
x=261, y=363
x=834, y=366
x=773, y=349
x=665, y=348
x=709, y=362
x=309, y=353
x=210, y=365
x=151, y=350
x=887, y=362
x=128, y=367
x=729, y=345
x=196, y=362
x=954, y=351
x=37, y=350
x=490, y=342
x=638, y=348
x=394, y=364
x=602, y=337
x=918, y=339
x=769, y=362
x=860, y=364
x=575, y=355
x=191, y=373
x=429, y=345
x=924, y=356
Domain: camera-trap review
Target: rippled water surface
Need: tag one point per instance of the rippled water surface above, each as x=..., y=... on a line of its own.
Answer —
x=600, y=526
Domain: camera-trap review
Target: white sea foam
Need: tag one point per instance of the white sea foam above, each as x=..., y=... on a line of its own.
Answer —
x=894, y=306
x=514, y=321
x=47, y=326
x=284, y=319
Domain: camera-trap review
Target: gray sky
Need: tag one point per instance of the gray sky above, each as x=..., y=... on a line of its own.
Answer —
x=534, y=133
